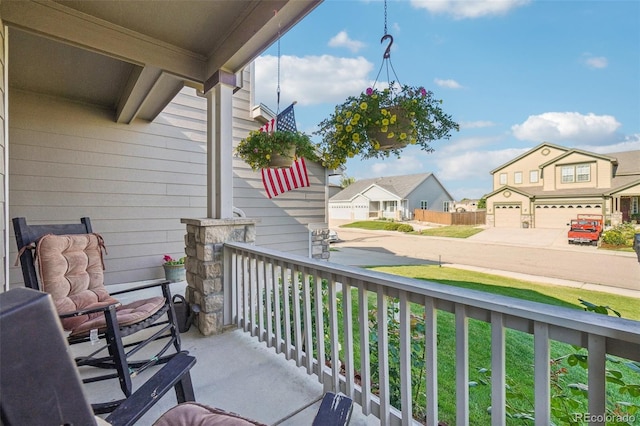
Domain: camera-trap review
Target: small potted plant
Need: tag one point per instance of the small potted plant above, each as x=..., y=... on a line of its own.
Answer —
x=174, y=270
x=381, y=122
x=263, y=150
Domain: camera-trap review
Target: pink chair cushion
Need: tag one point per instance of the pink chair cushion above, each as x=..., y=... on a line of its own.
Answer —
x=192, y=413
x=71, y=270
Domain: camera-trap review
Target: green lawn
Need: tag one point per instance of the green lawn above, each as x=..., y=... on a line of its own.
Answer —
x=519, y=346
x=454, y=231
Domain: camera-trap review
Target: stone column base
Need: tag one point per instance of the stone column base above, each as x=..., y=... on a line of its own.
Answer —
x=204, y=242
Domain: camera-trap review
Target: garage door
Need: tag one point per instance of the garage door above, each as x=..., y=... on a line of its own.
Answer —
x=507, y=215
x=558, y=215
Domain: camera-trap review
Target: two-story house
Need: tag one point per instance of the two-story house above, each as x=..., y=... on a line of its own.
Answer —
x=549, y=185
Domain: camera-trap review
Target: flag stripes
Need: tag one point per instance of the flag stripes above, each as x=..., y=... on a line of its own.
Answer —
x=278, y=181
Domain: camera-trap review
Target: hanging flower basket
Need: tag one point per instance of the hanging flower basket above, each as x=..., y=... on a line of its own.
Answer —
x=391, y=139
x=263, y=150
x=283, y=160
x=378, y=123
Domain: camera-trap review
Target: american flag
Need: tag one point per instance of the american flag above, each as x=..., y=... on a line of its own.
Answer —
x=280, y=180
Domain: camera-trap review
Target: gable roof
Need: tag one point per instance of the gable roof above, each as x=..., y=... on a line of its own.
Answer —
x=543, y=144
x=400, y=186
x=628, y=162
x=578, y=151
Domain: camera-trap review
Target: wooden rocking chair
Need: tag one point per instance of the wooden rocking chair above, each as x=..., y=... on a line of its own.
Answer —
x=66, y=262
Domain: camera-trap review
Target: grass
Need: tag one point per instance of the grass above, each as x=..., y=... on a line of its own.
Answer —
x=374, y=225
x=629, y=307
x=519, y=345
x=453, y=231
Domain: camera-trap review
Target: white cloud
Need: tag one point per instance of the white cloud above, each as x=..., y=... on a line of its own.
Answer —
x=573, y=127
x=449, y=84
x=466, y=165
x=342, y=40
x=311, y=79
x=597, y=62
x=630, y=143
x=469, y=9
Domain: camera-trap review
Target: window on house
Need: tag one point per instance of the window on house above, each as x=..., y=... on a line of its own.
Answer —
x=517, y=177
x=503, y=178
x=533, y=176
x=445, y=206
x=583, y=173
x=424, y=204
x=568, y=174
x=576, y=173
x=635, y=207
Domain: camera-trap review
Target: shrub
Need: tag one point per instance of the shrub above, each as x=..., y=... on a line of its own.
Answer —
x=405, y=228
x=620, y=235
x=391, y=226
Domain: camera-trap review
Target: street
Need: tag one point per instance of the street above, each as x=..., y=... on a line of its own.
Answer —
x=586, y=264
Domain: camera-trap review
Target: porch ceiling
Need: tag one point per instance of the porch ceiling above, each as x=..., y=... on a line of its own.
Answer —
x=134, y=56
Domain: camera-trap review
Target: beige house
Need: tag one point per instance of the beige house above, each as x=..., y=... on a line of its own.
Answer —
x=549, y=185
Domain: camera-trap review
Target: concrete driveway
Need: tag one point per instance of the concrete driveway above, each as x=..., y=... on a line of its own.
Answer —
x=542, y=255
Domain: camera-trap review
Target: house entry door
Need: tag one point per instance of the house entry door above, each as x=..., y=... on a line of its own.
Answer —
x=625, y=208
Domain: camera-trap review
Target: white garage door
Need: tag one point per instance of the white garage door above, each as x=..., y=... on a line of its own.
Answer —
x=507, y=215
x=559, y=215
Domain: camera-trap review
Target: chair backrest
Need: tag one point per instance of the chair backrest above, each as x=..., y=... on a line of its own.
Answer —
x=29, y=234
x=39, y=382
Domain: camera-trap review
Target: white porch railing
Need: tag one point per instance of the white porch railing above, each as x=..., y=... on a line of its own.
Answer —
x=273, y=296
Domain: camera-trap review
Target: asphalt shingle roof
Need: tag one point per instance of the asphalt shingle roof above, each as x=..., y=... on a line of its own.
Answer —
x=398, y=185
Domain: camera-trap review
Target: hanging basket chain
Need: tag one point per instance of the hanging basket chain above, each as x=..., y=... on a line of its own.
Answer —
x=386, y=57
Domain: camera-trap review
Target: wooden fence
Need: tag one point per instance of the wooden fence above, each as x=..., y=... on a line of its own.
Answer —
x=446, y=218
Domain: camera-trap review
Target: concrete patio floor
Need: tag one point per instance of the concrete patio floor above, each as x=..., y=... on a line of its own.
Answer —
x=237, y=373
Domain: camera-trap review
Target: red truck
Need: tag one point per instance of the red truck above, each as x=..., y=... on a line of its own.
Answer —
x=587, y=228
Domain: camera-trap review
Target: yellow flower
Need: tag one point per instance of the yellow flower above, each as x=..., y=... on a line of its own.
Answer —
x=384, y=112
x=384, y=129
x=376, y=145
x=350, y=154
x=390, y=135
x=348, y=114
x=363, y=106
x=356, y=137
x=403, y=136
x=385, y=122
x=268, y=156
x=349, y=128
x=393, y=119
x=356, y=116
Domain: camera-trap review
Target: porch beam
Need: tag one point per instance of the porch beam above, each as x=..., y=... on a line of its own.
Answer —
x=58, y=22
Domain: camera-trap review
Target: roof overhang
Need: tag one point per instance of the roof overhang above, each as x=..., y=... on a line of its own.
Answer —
x=133, y=56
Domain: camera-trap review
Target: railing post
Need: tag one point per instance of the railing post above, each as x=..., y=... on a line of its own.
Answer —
x=498, y=372
x=462, y=365
x=542, y=381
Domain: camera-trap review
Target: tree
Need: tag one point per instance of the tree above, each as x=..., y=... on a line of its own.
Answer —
x=346, y=181
x=482, y=204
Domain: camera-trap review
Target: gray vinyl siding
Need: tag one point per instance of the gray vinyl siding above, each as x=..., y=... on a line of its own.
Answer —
x=431, y=191
x=136, y=181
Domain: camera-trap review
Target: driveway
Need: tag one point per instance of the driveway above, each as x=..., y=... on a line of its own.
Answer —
x=542, y=253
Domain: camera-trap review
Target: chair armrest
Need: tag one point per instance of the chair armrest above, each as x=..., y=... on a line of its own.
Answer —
x=88, y=311
x=141, y=287
x=134, y=407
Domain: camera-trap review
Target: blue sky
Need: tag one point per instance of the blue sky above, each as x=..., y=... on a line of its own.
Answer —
x=512, y=73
